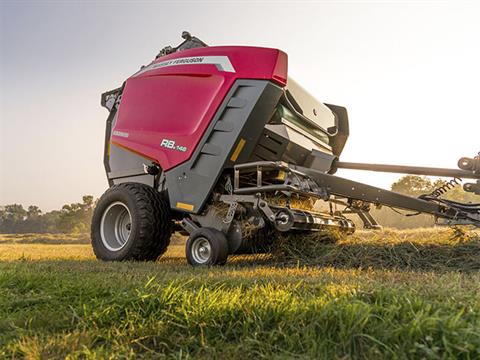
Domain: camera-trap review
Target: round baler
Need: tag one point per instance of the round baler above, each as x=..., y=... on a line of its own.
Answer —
x=219, y=144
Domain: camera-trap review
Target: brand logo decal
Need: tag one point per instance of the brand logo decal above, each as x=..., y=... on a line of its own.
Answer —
x=221, y=62
x=170, y=144
x=121, y=134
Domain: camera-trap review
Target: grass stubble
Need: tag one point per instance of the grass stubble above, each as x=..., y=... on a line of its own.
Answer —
x=389, y=294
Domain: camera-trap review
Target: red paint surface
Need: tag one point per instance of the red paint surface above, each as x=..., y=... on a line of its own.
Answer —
x=178, y=102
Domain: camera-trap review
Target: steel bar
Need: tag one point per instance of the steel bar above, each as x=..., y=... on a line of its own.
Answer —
x=412, y=170
x=354, y=190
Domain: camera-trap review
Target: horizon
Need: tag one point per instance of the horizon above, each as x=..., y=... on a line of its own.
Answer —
x=410, y=89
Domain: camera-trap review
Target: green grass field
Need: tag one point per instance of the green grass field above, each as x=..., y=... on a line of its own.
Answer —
x=411, y=294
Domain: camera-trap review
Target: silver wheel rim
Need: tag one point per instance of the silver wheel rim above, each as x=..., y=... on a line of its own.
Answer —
x=116, y=226
x=201, y=250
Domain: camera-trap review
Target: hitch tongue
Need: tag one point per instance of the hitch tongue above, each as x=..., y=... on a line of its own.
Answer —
x=473, y=165
x=469, y=164
x=472, y=187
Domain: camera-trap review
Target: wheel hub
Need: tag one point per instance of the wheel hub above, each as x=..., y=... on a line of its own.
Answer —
x=116, y=226
x=201, y=250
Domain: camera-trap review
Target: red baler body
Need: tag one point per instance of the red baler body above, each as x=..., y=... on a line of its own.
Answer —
x=178, y=102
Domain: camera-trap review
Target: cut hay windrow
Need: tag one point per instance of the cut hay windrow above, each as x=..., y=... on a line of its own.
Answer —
x=429, y=249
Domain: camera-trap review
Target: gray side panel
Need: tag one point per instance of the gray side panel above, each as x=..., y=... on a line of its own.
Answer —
x=143, y=179
x=230, y=138
x=106, y=151
x=126, y=166
x=124, y=163
x=110, y=100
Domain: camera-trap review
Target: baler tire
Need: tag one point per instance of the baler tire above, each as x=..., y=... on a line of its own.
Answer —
x=217, y=243
x=151, y=225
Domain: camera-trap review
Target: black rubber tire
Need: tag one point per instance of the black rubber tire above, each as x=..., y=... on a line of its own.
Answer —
x=218, y=244
x=151, y=223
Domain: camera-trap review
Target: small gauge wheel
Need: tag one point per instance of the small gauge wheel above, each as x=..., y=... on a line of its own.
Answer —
x=284, y=220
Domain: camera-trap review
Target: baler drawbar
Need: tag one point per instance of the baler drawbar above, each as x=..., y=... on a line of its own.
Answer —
x=219, y=144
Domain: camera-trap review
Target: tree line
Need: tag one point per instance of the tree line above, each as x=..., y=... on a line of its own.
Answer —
x=72, y=218
x=75, y=218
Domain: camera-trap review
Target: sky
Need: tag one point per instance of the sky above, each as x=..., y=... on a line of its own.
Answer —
x=408, y=73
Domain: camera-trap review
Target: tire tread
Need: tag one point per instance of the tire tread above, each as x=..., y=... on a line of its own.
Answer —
x=155, y=225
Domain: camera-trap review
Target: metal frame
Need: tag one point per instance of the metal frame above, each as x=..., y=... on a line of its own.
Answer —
x=314, y=183
x=307, y=188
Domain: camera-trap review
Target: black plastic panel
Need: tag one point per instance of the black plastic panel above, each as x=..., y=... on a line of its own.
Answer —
x=230, y=138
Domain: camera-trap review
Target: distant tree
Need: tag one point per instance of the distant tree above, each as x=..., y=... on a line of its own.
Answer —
x=76, y=217
x=33, y=222
x=33, y=211
x=49, y=222
x=413, y=185
x=12, y=217
x=15, y=212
